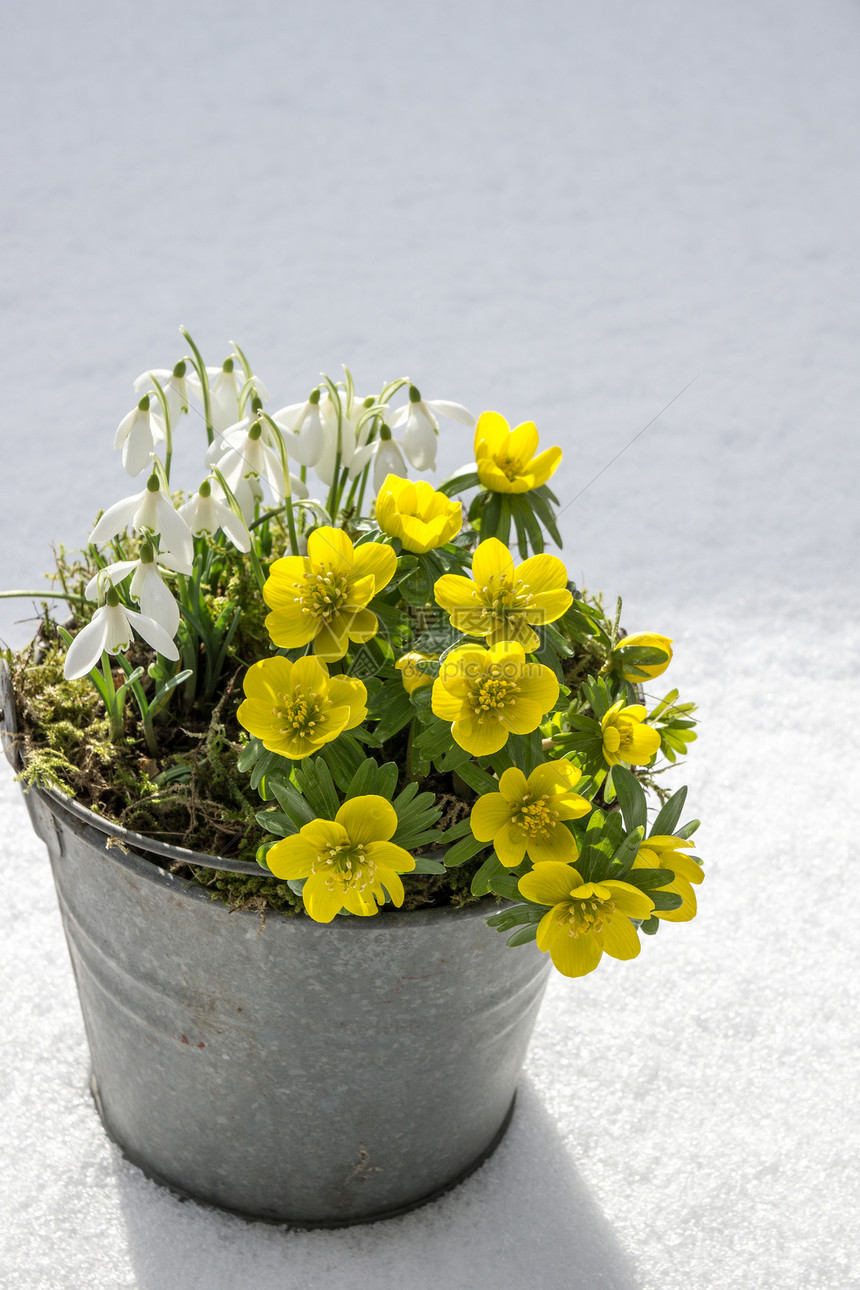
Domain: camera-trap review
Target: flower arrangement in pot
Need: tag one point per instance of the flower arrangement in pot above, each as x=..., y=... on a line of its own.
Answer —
x=321, y=699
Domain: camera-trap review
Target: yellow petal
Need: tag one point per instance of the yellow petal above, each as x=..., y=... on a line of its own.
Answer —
x=492, y=559
x=492, y=429
x=479, y=737
x=453, y=592
x=267, y=680
x=290, y=629
x=375, y=560
x=573, y=956
x=542, y=573
x=630, y=900
x=389, y=856
x=309, y=674
x=542, y=467
x=513, y=785
x=292, y=857
x=523, y=442
x=368, y=819
x=558, y=847
x=279, y=588
x=489, y=814
x=550, y=884
x=554, y=777
x=346, y=690
x=620, y=938
x=443, y=703
x=643, y=744
x=331, y=640
x=330, y=548
x=510, y=845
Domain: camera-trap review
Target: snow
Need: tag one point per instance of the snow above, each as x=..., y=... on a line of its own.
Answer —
x=605, y=217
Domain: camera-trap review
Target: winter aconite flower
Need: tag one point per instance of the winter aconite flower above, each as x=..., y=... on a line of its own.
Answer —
x=112, y=629
x=586, y=918
x=505, y=457
x=526, y=815
x=349, y=862
x=137, y=434
x=322, y=597
x=295, y=708
x=642, y=640
x=416, y=514
x=411, y=674
x=664, y=852
x=489, y=694
x=504, y=599
x=421, y=428
x=150, y=512
x=626, y=738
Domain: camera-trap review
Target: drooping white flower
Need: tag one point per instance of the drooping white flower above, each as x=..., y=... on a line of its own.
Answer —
x=242, y=453
x=225, y=385
x=348, y=438
x=386, y=455
x=147, y=585
x=148, y=512
x=137, y=434
x=174, y=381
x=307, y=441
x=204, y=513
x=421, y=428
x=112, y=628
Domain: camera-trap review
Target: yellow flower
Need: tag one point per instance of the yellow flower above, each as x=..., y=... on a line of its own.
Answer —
x=663, y=852
x=526, y=814
x=295, y=708
x=505, y=457
x=586, y=917
x=349, y=862
x=489, y=694
x=625, y=738
x=321, y=597
x=411, y=675
x=422, y=518
x=648, y=640
x=505, y=599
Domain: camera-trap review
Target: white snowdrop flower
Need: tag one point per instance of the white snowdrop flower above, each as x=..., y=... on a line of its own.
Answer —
x=147, y=586
x=175, y=382
x=386, y=455
x=307, y=441
x=421, y=428
x=324, y=466
x=225, y=385
x=204, y=513
x=137, y=434
x=244, y=454
x=112, y=628
x=147, y=512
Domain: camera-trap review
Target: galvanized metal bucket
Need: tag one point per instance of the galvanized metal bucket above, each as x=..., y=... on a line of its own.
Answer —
x=304, y=1074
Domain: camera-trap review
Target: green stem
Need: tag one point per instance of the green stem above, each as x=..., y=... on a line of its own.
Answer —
x=44, y=595
x=113, y=705
x=168, y=450
x=204, y=385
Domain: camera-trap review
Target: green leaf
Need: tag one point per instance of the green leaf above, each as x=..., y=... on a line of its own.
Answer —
x=665, y=900
x=631, y=798
x=622, y=861
x=424, y=865
x=314, y=779
x=516, y=917
x=506, y=885
x=462, y=480
x=650, y=926
x=464, y=850
x=650, y=879
x=688, y=829
x=276, y=822
x=459, y=830
x=491, y=868
x=396, y=710
x=364, y=781
x=668, y=817
x=477, y=778
x=523, y=935
x=291, y=801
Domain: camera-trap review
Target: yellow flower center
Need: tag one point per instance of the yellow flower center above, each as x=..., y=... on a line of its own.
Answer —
x=589, y=907
x=298, y=714
x=510, y=466
x=346, y=867
x=491, y=694
x=535, y=818
x=322, y=593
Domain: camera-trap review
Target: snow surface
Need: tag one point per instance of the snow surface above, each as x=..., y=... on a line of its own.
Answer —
x=566, y=212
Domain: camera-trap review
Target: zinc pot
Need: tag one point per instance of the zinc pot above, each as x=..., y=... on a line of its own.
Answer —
x=304, y=1074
